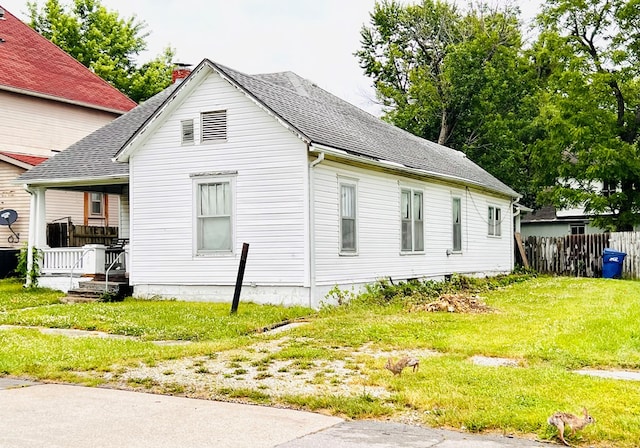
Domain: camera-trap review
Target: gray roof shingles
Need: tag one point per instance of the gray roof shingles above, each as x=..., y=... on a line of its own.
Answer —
x=320, y=116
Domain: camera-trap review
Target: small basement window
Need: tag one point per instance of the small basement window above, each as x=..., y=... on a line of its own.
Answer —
x=214, y=126
x=187, y=132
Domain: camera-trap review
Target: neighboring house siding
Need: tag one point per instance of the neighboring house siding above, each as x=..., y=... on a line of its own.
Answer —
x=269, y=194
x=13, y=197
x=554, y=229
x=60, y=205
x=37, y=126
x=379, y=230
x=64, y=204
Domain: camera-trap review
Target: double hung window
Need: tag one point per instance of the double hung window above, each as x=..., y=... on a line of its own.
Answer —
x=348, y=217
x=495, y=221
x=457, y=224
x=214, y=215
x=412, y=217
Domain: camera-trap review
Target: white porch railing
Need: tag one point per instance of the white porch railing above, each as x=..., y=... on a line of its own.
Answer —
x=86, y=260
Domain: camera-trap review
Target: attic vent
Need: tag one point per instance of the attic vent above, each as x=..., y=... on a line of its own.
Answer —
x=187, y=132
x=214, y=126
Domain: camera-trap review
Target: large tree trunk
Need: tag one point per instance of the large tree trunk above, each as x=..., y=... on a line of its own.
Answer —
x=445, y=128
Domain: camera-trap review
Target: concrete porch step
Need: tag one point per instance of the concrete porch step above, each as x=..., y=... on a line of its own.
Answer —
x=95, y=291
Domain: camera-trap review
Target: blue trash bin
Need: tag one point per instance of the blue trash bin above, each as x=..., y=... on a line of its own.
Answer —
x=612, y=263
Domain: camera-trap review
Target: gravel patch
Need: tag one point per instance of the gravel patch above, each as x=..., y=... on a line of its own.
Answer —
x=493, y=362
x=259, y=369
x=73, y=333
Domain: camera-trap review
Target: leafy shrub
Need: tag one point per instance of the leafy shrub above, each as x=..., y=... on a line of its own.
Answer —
x=385, y=291
x=22, y=270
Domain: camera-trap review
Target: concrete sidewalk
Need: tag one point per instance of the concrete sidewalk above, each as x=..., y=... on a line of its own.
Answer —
x=57, y=416
x=62, y=416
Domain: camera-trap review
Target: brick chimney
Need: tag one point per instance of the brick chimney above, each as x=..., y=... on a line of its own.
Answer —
x=180, y=72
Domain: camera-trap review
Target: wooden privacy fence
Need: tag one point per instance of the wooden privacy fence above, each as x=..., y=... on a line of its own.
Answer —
x=581, y=255
x=62, y=234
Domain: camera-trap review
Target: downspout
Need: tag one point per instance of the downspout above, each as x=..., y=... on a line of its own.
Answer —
x=312, y=244
x=514, y=215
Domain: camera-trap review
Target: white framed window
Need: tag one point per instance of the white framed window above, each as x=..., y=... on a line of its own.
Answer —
x=456, y=207
x=96, y=205
x=213, y=126
x=348, y=217
x=214, y=215
x=188, y=136
x=412, y=220
x=495, y=221
x=577, y=229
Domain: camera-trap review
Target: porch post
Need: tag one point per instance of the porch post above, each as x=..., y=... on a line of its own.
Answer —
x=123, y=229
x=40, y=230
x=31, y=235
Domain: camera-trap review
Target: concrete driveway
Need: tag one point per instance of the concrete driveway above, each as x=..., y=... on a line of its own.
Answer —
x=63, y=416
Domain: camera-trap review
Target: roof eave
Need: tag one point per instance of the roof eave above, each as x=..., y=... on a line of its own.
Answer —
x=15, y=162
x=61, y=99
x=77, y=181
x=315, y=147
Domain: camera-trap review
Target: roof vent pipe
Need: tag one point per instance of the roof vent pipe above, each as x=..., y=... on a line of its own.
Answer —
x=1, y=13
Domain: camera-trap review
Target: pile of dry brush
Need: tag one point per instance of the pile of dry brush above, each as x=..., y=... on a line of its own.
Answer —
x=454, y=303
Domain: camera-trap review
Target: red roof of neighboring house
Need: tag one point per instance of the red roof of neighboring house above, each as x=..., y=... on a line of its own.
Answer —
x=31, y=160
x=32, y=64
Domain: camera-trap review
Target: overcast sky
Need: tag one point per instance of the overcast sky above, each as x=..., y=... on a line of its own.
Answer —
x=314, y=38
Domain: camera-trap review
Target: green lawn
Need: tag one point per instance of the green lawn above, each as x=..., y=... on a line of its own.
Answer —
x=550, y=326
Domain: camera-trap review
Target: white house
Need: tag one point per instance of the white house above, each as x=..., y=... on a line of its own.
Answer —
x=325, y=193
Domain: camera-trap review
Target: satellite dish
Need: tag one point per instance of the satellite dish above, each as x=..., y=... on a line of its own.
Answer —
x=8, y=217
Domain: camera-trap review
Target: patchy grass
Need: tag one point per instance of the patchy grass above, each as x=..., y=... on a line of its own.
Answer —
x=29, y=353
x=13, y=295
x=157, y=320
x=550, y=326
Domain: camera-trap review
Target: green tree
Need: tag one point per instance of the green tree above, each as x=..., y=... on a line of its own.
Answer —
x=104, y=42
x=588, y=51
x=456, y=77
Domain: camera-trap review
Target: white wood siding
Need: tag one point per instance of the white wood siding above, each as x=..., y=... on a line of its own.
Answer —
x=379, y=230
x=269, y=196
x=37, y=126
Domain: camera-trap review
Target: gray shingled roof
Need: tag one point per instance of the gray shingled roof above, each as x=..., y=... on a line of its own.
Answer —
x=318, y=115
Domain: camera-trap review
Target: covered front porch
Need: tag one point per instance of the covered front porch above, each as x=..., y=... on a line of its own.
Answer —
x=65, y=268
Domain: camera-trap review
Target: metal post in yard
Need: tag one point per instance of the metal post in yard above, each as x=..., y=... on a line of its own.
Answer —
x=243, y=263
